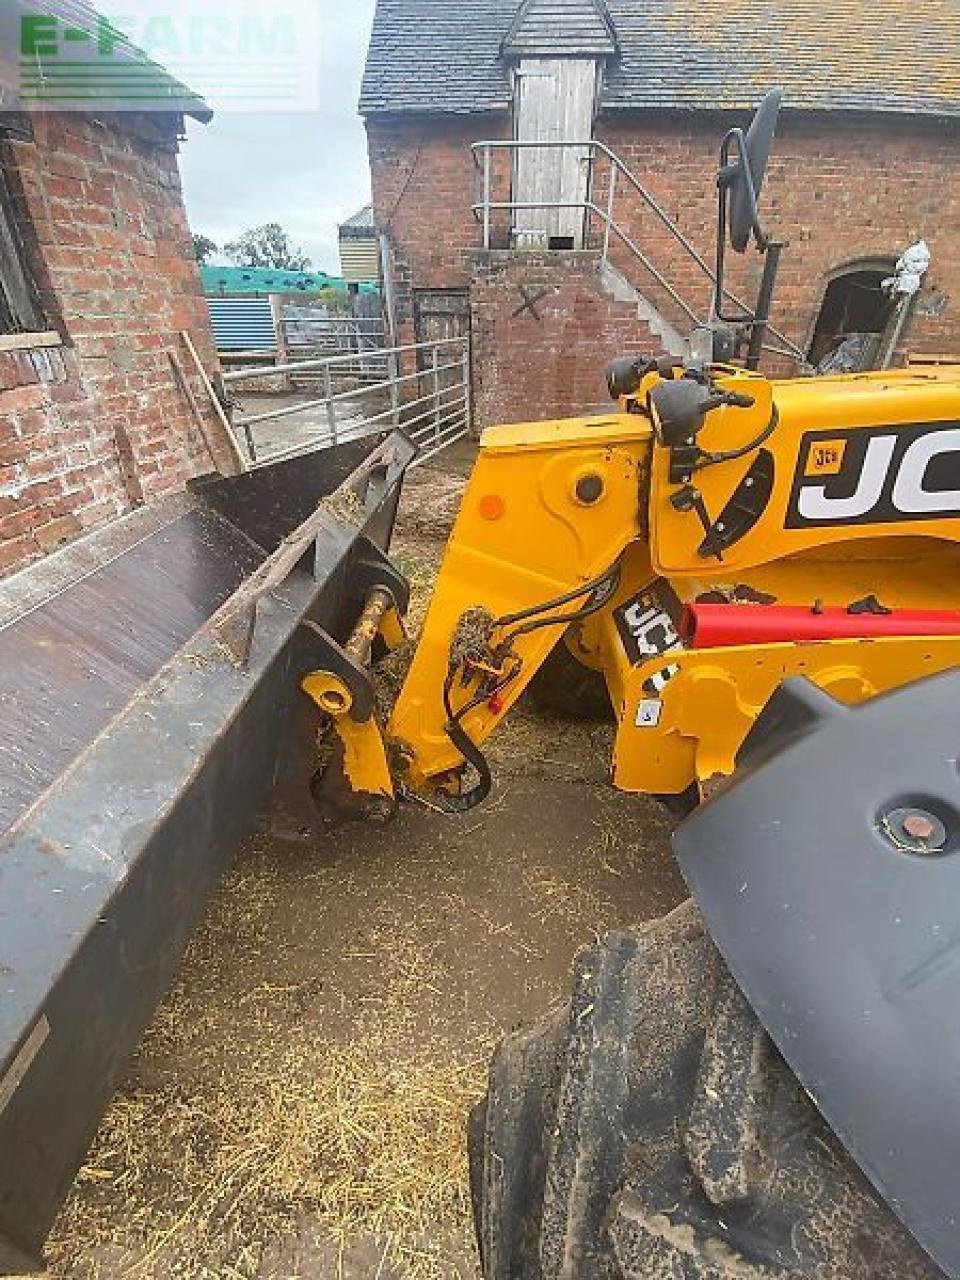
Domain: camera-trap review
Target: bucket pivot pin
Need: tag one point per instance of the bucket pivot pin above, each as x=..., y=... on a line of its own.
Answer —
x=357, y=781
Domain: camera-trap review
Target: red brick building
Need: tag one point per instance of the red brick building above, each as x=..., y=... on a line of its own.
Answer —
x=97, y=280
x=866, y=162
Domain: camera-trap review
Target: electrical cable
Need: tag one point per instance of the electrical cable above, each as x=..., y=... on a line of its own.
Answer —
x=599, y=594
x=508, y=619
x=467, y=747
x=730, y=455
x=415, y=165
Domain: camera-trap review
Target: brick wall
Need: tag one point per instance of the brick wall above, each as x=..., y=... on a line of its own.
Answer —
x=547, y=360
x=97, y=425
x=840, y=190
x=425, y=183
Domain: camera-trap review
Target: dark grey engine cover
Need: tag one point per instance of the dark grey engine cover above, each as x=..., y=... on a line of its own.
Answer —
x=846, y=943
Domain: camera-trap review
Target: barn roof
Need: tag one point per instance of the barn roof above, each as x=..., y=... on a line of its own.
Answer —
x=359, y=226
x=79, y=16
x=560, y=28
x=886, y=56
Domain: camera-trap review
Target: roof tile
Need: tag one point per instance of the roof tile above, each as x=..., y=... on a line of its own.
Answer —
x=887, y=56
x=553, y=28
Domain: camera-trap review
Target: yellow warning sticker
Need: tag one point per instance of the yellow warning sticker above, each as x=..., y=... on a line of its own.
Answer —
x=825, y=457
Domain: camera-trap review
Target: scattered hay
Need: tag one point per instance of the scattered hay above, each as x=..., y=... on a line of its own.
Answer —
x=529, y=743
x=247, y=1121
x=273, y=1100
x=367, y=1142
x=572, y=905
x=344, y=505
x=430, y=503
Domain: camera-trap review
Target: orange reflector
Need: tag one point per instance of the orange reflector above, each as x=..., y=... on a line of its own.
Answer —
x=492, y=507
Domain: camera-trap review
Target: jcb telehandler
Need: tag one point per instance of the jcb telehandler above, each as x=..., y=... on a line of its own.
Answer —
x=717, y=535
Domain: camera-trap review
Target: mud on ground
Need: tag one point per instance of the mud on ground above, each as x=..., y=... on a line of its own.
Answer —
x=297, y=1108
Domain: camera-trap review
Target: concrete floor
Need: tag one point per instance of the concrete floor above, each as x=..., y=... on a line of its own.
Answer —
x=309, y=424
x=402, y=954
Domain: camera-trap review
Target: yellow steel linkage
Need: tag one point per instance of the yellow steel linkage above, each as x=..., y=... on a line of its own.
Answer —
x=809, y=492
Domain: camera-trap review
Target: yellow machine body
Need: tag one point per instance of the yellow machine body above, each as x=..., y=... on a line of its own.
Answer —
x=824, y=492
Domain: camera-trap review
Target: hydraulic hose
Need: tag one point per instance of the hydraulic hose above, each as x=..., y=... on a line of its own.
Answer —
x=472, y=755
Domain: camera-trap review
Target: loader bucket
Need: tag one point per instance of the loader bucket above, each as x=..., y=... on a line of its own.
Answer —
x=147, y=678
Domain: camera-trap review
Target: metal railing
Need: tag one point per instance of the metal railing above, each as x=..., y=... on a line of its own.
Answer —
x=332, y=335
x=431, y=404
x=592, y=153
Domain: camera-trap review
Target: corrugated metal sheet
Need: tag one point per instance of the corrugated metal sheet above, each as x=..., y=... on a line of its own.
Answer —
x=556, y=99
x=242, y=324
x=360, y=261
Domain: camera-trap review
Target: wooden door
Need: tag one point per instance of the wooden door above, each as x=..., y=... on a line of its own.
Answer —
x=555, y=101
x=440, y=314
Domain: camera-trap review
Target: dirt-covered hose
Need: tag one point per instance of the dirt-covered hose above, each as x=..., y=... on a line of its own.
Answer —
x=473, y=755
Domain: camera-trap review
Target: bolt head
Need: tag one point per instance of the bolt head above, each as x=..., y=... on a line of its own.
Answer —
x=919, y=826
x=589, y=489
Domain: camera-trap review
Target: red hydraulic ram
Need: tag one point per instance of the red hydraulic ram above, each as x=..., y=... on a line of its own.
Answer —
x=719, y=626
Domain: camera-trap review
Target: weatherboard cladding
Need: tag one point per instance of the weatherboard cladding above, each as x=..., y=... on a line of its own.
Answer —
x=885, y=56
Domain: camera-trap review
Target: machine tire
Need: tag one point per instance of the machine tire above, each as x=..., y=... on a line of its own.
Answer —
x=650, y=1129
x=565, y=687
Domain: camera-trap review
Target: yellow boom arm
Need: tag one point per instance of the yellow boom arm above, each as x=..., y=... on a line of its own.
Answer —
x=601, y=530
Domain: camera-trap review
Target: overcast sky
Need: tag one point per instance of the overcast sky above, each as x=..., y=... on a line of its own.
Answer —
x=306, y=170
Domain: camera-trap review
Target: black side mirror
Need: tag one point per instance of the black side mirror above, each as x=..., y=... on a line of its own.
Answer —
x=743, y=179
x=740, y=182
x=680, y=410
x=625, y=374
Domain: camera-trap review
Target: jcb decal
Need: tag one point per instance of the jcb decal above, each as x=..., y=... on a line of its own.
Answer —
x=881, y=476
x=825, y=457
x=646, y=628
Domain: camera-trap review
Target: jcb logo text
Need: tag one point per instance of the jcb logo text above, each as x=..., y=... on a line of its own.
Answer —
x=877, y=476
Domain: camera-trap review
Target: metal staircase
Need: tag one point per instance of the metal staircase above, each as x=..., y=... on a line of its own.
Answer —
x=603, y=230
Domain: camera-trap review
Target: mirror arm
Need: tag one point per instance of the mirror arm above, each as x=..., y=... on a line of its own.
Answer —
x=724, y=179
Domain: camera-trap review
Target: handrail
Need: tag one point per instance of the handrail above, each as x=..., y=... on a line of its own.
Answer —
x=323, y=362
x=590, y=207
x=438, y=412
x=597, y=148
